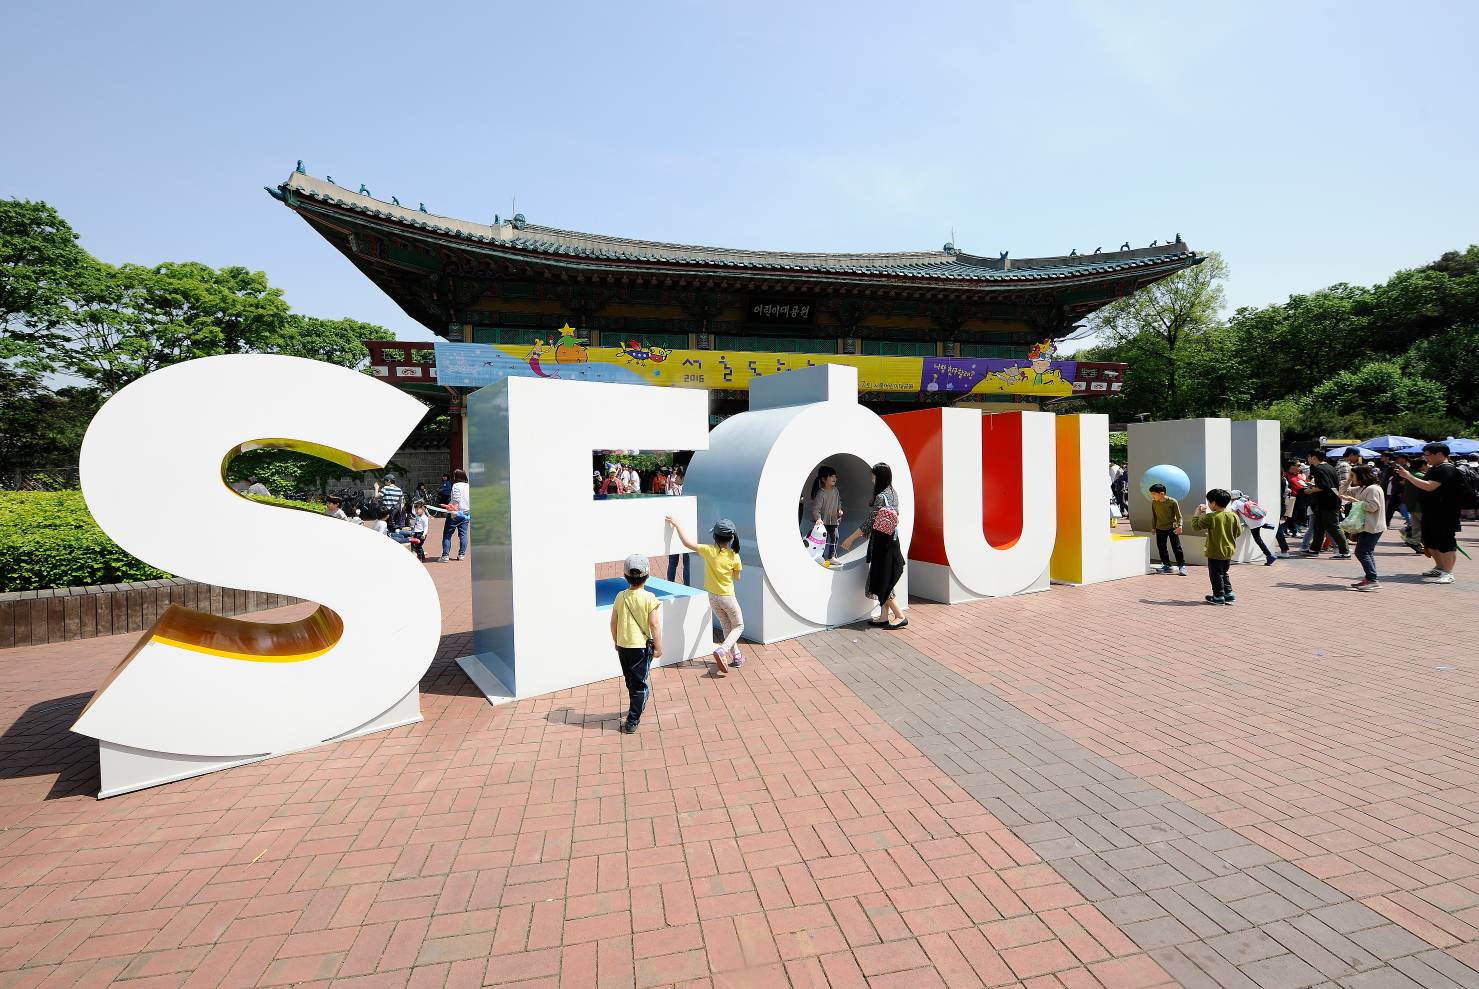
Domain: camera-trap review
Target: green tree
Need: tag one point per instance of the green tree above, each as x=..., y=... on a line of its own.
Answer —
x=40, y=267
x=1451, y=358
x=39, y=427
x=335, y=341
x=1161, y=323
x=1379, y=390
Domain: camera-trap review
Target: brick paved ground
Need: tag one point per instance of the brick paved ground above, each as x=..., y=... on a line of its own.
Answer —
x=1109, y=786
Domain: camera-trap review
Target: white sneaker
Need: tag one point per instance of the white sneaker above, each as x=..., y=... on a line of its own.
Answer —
x=1435, y=572
x=1443, y=578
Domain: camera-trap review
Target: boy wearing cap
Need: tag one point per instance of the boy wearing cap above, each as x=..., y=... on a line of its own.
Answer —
x=636, y=628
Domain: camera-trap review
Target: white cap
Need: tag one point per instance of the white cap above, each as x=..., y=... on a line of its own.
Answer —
x=635, y=566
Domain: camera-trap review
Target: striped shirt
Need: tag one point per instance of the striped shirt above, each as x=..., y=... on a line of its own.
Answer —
x=391, y=497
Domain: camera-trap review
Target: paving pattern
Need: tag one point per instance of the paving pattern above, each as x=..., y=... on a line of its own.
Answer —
x=1211, y=906
x=1111, y=786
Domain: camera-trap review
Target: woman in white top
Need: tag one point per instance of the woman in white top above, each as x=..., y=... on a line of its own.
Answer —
x=1366, y=483
x=459, y=512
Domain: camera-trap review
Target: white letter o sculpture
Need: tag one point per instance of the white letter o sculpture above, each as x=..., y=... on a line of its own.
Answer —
x=758, y=464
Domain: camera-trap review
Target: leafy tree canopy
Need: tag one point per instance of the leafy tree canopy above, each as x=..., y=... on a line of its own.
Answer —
x=1399, y=357
x=66, y=312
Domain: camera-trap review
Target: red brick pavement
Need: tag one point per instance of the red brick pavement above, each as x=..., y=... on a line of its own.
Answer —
x=760, y=829
x=1333, y=728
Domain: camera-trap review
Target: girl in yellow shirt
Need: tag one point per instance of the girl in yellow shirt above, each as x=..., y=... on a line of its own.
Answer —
x=721, y=569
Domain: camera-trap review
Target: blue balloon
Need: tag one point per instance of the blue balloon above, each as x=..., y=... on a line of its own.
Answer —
x=1178, y=485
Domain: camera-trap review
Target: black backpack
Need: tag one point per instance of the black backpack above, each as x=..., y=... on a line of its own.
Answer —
x=1468, y=487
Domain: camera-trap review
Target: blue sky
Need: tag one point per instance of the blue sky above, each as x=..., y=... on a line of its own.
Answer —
x=1310, y=143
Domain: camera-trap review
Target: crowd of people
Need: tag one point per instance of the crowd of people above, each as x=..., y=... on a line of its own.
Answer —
x=1344, y=505
x=624, y=479
x=391, y=512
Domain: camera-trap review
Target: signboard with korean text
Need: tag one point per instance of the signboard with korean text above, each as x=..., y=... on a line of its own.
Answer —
x=787, y=312
x=565, y=355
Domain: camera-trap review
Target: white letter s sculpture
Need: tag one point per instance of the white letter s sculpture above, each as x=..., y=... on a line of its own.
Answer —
x=200, y=692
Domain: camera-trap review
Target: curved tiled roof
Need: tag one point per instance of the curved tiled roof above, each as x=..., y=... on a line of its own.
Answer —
x=553, y=242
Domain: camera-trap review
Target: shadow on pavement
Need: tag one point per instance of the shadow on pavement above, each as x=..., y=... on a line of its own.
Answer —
x=41, y=743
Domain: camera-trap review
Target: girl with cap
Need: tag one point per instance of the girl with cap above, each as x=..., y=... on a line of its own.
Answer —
x=721, y=569
x=885, y=557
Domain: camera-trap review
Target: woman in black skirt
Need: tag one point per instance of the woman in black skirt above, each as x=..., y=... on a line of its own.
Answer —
x=885, y=558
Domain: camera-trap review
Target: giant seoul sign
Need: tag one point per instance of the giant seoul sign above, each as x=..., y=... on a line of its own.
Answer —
x=990, y=505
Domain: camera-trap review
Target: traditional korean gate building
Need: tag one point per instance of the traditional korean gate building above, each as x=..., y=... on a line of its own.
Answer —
x=512, y=281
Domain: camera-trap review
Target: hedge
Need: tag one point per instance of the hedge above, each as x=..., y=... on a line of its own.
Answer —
x=49, y=539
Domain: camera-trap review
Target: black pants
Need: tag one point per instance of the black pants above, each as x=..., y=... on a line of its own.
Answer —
x=673, y=560
x=1327, y=523
x=636, y=664
x=1257, y=532
x=1221, y=580
x=1162, y=536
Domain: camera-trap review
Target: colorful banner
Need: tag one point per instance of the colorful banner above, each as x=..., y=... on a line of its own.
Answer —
x=568, y=358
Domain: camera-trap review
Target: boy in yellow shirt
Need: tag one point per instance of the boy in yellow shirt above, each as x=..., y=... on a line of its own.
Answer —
x=636, y=628
x=721, y=569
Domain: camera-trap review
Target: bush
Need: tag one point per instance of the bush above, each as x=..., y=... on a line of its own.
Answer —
x=49, y=539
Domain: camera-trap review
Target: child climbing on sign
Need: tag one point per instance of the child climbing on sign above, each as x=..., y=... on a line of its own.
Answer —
x=721, y=569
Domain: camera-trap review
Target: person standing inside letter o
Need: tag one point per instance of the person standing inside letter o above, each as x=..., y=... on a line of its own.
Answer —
x=885, y=557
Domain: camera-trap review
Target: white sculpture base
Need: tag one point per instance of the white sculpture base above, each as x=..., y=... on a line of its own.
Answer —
x=1194, y=548
x=126, y=769
x=1128, y=556
x=934, y=582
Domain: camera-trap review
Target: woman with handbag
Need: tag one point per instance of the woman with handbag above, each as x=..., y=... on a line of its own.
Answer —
x=1367, y=521
x=885, y=557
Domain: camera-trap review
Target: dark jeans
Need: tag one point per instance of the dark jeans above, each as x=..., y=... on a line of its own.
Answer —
x=1162, y=536
x=1327, y=523
x=458, y=524
x=1366, y=552
x=1282, y=534
x=1221, y=580
x=673, y=567
x=831, y=549
x=1257, y=532
x=636, y=664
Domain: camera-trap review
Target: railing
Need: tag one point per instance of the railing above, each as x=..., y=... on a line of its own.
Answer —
x=40, y=479
x=403, y=360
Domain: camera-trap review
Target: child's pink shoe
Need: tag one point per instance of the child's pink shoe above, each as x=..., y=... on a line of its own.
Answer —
x=719, y=656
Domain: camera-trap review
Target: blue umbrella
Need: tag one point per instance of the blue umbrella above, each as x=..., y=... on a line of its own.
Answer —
x=1380, y=443
x=1457, y=444
x=1411, y=451
x=1341, y=451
